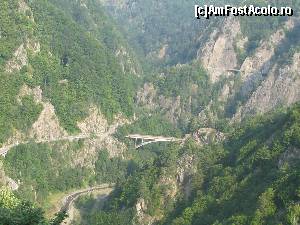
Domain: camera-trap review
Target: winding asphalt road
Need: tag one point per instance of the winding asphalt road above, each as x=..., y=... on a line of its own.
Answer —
x=102, y=136
x=68, y=201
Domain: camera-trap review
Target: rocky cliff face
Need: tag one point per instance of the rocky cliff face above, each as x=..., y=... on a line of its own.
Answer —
x=257, y=84
x=20, y=56
x=172, y=185
x=95, y=130
x=268, y=83
x=7, y=181
x=174, y=108
x=147, y=96
x=206, y=136
x=218, y=56
x=264, y=83
x=101, y=133
x=29, y=46
x=280, y=88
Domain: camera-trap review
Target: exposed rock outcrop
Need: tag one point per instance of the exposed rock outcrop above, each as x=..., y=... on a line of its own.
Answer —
x=7, y=181
x=207, y=115
x=218, y=55
x=290, y=156
x=25, y=9
x=162, y=52
x=96, y=132
x=47, y=126
x=146, y=96
x=226, y=92
x=94, y=123
x=27, y=91
x=20, y=56
x=172, y=107
x=97, y=124
x=141, y=216
x=256, y=67
x=260, y=61
x=185, y=169
x=206, y=136
x=127, y=62
x=19, y=60
x=171, y=183
x=262, y=84
x=280, y=88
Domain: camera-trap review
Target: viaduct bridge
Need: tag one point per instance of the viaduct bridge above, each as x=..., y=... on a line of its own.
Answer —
x=141, y=140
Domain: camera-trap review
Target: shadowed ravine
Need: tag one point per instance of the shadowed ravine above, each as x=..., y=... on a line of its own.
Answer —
x=68, y=201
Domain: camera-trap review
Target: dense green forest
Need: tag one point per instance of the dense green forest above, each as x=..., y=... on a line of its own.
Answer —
x=19, y=212
x=93, y=19
x=76, y=67
x=82, y=58
x=93, y=74
x=151, y=25
x=250, y=179
x=255, y=181
x=48, y=169
x=87, y=57
x=168, y=23
x=13, y=27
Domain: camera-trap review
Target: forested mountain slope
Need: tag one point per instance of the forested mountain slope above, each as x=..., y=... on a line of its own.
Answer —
x=72, y=67
x=243, y=67
x=65, y=71
x=252, y=178
x=77, y=76
x=164, y=32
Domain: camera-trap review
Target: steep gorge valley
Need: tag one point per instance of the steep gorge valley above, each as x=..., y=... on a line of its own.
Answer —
x=78, y=76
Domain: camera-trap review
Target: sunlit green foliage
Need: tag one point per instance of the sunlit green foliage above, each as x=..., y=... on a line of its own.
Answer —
x=248, y=180
x=254, y=183
x=92, y=72
x=14, y=211
x=85, y=61
x=41, y=168
x=14, y=114
x=13, y=27
x=48, y=169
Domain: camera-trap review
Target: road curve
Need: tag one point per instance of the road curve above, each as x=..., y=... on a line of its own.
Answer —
x=67, y=202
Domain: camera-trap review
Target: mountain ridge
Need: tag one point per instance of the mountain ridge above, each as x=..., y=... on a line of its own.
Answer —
x=87, y=73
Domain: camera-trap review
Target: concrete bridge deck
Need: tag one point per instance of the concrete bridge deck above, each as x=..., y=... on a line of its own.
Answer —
x=145, y=139
x=148, y=139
